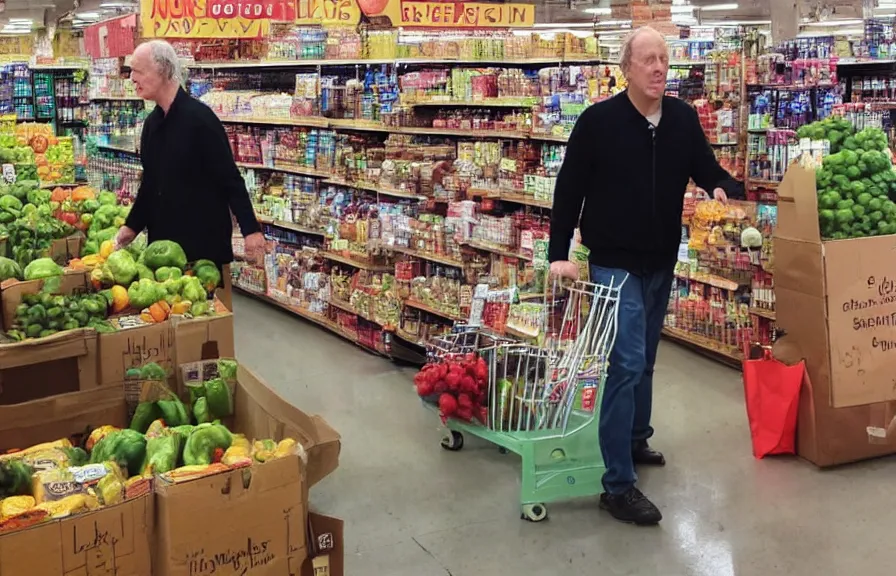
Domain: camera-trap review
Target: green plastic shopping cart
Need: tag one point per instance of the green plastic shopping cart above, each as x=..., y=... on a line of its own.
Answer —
x=543, y=400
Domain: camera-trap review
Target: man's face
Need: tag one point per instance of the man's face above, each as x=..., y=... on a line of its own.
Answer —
x=649, y=65
x=145, y=75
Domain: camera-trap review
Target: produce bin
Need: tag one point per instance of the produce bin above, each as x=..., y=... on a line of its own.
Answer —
x=112, y=540
x=195, y=520
x=61, y=363
x=167, y=343
x=836, y=303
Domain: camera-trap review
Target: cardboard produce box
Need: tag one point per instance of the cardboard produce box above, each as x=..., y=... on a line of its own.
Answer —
x=247, y=520
x=115, y=540
x=836, y=302
x=168, y=343
x=61, y=363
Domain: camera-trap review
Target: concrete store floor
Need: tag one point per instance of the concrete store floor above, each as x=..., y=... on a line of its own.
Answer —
x=413, y=509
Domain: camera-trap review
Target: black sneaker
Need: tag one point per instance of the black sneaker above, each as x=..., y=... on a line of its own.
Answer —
x=631, y=507
x=642, y=453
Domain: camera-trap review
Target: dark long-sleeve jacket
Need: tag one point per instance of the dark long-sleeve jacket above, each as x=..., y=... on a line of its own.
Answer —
x=190, y=182
x=632, y=177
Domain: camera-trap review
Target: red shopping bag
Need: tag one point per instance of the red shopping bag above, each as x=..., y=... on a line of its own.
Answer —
x=772, y=391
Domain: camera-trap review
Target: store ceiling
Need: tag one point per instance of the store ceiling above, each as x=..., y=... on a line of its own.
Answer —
x=43, y=12
x=558, y=11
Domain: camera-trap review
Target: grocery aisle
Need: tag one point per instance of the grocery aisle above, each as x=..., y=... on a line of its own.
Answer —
x=412, y=509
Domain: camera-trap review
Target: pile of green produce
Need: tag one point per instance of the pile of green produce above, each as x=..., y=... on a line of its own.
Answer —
x=856, y=184
x=44, y=314
x=27, y=222
x=17, y=155
x=157, y=274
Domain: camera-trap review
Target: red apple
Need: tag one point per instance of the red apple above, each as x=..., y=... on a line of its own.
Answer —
x=372, y=7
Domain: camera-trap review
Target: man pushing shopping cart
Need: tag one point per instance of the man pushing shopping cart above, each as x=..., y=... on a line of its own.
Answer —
x=623, y=180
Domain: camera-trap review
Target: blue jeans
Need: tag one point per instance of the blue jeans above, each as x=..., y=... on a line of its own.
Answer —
x=628, y=392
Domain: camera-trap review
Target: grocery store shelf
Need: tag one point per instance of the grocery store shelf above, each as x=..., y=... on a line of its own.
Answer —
x=508, y=196
x=116, y=99
x=715, y=350
x=458, y=132
x=291, y=226
x=562, y=138
x=359, y=125
x=365, y=126
x=762, y=312
x=435, y=311
x=374, y=188
x=723, y=144
x=557, y=60
x=428, y=256
x=310, y=121
x=714, y=281
x=299, y=171
x=346, y=307
x=496, y=250
x=355, y=263
x=487, y=103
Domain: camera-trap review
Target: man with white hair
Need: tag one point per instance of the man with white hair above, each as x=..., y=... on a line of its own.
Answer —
x=623, y=180
x=190, y=181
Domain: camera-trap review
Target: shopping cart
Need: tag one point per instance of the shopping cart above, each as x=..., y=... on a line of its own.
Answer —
x=544, y=401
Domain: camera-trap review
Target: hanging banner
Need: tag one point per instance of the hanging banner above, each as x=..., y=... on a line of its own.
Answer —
x=213, y=18
x=111, y=38
x=417, y=13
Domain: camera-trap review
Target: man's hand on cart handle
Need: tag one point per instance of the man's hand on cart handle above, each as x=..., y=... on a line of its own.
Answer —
x=565, y=269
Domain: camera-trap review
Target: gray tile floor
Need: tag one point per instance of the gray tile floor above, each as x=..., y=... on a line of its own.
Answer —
x=413, y=509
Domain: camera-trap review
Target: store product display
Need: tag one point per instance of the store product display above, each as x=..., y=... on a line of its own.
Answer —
x=167, y=438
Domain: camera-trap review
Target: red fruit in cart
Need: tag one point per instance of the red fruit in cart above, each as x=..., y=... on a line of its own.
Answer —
x=464, y=401
x=440, y=386
x=452, y=380
x=447, y=406
x=468, y=385
x=481, y=370
x=425, y=388
x=465, y=414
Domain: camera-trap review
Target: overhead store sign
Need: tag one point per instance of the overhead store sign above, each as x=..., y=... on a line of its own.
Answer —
x=111, y=38
x=417, y=13
x=213, y=18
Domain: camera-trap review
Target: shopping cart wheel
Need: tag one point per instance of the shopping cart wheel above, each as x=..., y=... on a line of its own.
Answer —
x=534, y=512
x=454, y=441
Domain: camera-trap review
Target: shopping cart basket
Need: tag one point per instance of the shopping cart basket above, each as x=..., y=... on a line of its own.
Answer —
x=544, y=402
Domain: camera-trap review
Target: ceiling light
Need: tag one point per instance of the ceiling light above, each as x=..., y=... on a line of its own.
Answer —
x=21, y=21
x=88, y=15
x=614, y=23
x=599, y=11
x=117, y=5
x=718, y=7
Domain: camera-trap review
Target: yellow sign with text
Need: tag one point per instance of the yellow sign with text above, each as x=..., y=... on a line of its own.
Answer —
x=417, y=13
x=464, y=15
x=328, y=12
x=210, y=18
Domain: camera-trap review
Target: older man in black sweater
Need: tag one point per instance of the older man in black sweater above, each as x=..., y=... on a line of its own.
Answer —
x=190, y=181
x=629, y=161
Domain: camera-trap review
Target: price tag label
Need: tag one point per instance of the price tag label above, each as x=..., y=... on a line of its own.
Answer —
x=9, y=173
x=683, y=253
x=507, y=164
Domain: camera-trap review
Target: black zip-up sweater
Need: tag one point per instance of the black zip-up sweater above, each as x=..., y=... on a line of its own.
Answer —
x=190, y=182
x=632, y=178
